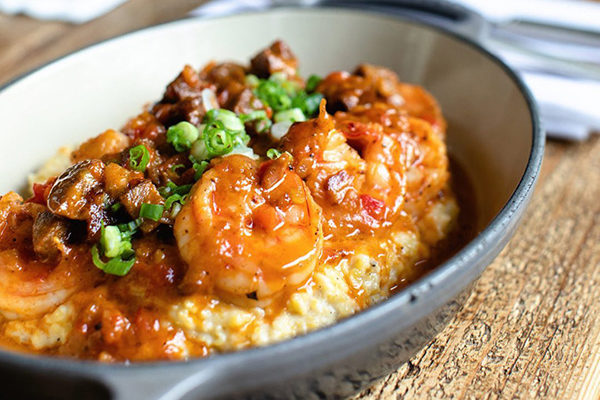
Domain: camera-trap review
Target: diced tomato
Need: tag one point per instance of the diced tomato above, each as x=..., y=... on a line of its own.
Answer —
x=375, y=208
x=41, y=191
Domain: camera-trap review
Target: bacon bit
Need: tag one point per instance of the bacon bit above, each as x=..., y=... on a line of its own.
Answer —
x=41, y=191
x=375, y=208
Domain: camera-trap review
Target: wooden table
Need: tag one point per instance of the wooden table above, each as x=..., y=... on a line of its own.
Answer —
x=530, y=329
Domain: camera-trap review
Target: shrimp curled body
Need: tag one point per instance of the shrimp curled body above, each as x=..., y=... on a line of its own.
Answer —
x=248, y=231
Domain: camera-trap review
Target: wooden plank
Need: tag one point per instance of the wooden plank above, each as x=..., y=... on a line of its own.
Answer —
x=26, y=43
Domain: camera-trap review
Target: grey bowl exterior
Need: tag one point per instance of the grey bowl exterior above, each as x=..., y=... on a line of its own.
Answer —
x=333, y=362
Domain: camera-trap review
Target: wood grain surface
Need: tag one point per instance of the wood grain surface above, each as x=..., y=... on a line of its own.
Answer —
x=530, y=328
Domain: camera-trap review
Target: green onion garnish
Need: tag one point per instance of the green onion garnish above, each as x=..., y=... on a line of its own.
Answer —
x=172, y=199
x=172, y=188
x=199, y=169
x=175, y=167
x=115, y=266
x=273, y=94
x=151, y=211
x=281, y=94
x=115, y=242
x=229, y=119
x=291, y=115
x=138, y=158
x=252, y=81
x=129, y=229
x=182, y=135
x=308, y=103
x=262, y=122
x=253, y=116
x=115, y=207
x=217, y=140
x=312, y=82
x=273, y=154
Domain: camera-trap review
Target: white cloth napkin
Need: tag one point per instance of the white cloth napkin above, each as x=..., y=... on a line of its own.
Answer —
x=74, y=11
x=569, y=105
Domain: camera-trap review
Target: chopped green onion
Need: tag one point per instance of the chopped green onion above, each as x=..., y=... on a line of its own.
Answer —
x=199, y=169
x=129, y=229
x=138, y=158
x=312, y=82
x=175, y=167
x=273, y=94
x=115, y=242
x=229, y=119
x=273, y=154
x=291, y=115
x=112, y=242
x=308, y=103
x=262, y=122
x=175, y=210
x=217, y=140
x=312, y=103
x=115, y=266
x=172, y=199
x=278, y=77
x=253, y=116
x=115, y=207
x=252, y=81
x=172, y=188
x=182, y=135
x=199, y=151
x=151, y=211
x=263, y=125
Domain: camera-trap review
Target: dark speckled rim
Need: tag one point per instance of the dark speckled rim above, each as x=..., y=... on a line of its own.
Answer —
x=411, y=303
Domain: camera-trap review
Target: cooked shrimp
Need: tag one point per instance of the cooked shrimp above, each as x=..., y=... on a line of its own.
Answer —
x=408, y=145
x=249, y=231
x=357, y=180
x=29, y=287
x=370, y=84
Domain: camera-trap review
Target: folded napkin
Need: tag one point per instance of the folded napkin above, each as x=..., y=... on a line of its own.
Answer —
x=563, y=73
x=74, y=11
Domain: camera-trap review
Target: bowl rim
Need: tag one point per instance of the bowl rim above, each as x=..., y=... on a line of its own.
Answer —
x=442, y=274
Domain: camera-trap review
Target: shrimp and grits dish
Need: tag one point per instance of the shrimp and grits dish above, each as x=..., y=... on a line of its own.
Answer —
x=245, y=207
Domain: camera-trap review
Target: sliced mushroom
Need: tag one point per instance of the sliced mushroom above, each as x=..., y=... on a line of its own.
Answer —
x=73, y=192
x=50, y=236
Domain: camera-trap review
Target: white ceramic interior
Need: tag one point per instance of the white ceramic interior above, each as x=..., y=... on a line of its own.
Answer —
x=101, y=87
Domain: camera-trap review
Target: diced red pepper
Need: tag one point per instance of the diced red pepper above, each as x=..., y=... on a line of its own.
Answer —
x=41, y=191
x=375, y=208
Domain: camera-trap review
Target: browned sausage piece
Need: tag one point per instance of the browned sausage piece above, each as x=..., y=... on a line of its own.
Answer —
x=144, y=192
x=277, y=58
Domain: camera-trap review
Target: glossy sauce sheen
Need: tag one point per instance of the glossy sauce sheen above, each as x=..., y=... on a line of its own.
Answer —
x=370, y=165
